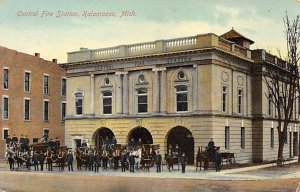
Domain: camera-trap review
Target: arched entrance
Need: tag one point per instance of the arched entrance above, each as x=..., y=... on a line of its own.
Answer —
x=184, y=138
x=100, y=135
x=140, y=133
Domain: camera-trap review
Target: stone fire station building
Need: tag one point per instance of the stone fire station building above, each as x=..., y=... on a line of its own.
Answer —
x=179, y=91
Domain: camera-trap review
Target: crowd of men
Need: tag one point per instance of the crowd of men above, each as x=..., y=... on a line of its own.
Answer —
x=135, y=156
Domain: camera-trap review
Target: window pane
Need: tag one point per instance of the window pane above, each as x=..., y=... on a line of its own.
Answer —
x=5, y=78
x=243, y=137
x=142, y=108
x=27, y=109
x=181, y=88
x=5, y=134
x=182, y=106
x=5, y=108
x=63, y=87
x=142, y=99
x=79, y=106
x=272, y=137
x=107, y=110
x=107, y=94
x=79, y=110
x=227, y=137
x=63, y=111
x=107, y=101
x=181, y=97
x=46, y=84
x=79, y=94
x=27, y=81
x=46, y=110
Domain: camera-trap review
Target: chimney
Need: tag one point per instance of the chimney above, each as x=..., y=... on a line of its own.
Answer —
x=83, y=49
x=37, y=54
x=54, y=60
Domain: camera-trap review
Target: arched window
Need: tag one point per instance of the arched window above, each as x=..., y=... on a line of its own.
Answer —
x=142, y=100
x=107, y=102
x=182, y=98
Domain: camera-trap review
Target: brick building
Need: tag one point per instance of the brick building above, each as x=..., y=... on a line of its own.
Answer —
x=33, y=93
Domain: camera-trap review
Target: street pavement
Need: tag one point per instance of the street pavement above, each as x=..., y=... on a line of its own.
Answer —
x=191, y=173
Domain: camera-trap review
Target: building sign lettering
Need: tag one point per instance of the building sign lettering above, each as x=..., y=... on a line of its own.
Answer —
x=179, y=59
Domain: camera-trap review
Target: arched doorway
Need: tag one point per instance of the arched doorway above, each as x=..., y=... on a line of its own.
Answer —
x=184, y=138
x=100, y=135
x=140, y=133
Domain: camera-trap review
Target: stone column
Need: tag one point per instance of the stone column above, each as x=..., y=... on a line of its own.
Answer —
x=125, y=93
x=92, y=92
x=195, y=102
x=163, y=91
x=119, y=93
x=155, y=91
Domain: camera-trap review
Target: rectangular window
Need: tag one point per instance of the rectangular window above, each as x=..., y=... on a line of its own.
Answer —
x=5, y=133
x=46, y=110
x=142, y=101
x=27, y=109
x=5, y=79
x=182, y=98
x=46, y=84
x=272, y=138
x=27, y=82
x=227, y=137
x=63, y=111
x=5, y=107
x=242, y=137
x=35, y=140
x=224, y=98
x=270, y=111
x=107, y=102
x=63, y=86
x=295, y=108
x=78, y=103
x=240, y=101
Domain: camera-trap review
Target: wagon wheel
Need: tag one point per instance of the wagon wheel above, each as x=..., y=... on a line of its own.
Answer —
x=230, y=161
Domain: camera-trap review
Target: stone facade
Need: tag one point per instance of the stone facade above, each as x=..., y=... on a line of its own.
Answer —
x=14, y=95
x=197, y=87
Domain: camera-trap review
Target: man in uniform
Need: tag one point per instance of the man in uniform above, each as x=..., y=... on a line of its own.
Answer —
x=35, y=160
x=131, y=162
x=211, y=148
x=97, y=160
x=183, y=162
x=42, y=160
x=70, y=159
x=158, y=159
x=123, y=160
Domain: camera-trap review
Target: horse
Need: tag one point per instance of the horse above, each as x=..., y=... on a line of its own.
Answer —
x=61, y=160
x=205, y=157
x=202, y=157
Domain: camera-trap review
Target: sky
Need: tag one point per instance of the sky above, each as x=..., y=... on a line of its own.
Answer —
x=28, y=26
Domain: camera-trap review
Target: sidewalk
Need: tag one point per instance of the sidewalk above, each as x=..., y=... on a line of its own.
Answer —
x=228, y=174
